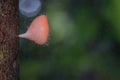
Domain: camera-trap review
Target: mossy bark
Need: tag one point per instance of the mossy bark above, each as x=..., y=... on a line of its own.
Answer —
x=8, y=40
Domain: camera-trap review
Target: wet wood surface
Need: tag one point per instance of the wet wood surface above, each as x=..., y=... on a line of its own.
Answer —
x=8, y=39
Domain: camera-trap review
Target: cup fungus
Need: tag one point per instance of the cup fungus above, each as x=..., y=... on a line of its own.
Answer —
x=29, y=8
x=38, y=30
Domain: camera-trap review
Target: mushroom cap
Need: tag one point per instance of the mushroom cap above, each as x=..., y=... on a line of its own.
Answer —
x=29, y=8
x=38, y=30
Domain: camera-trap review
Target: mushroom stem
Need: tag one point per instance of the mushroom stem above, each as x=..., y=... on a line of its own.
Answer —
x=24, y=35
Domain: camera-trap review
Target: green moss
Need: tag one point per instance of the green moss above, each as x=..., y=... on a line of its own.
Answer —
x=1, y=55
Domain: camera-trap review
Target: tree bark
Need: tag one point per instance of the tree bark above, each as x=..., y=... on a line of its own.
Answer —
x=8, y=39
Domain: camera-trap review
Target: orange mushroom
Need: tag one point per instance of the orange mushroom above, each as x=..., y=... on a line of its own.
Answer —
x=38, y=30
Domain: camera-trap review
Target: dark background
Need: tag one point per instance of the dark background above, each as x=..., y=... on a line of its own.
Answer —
x=84, y=42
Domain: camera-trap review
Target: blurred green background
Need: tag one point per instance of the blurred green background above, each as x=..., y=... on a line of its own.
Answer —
x=84, y=42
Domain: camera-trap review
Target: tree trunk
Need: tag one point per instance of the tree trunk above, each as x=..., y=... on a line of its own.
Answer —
x=8, y=40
